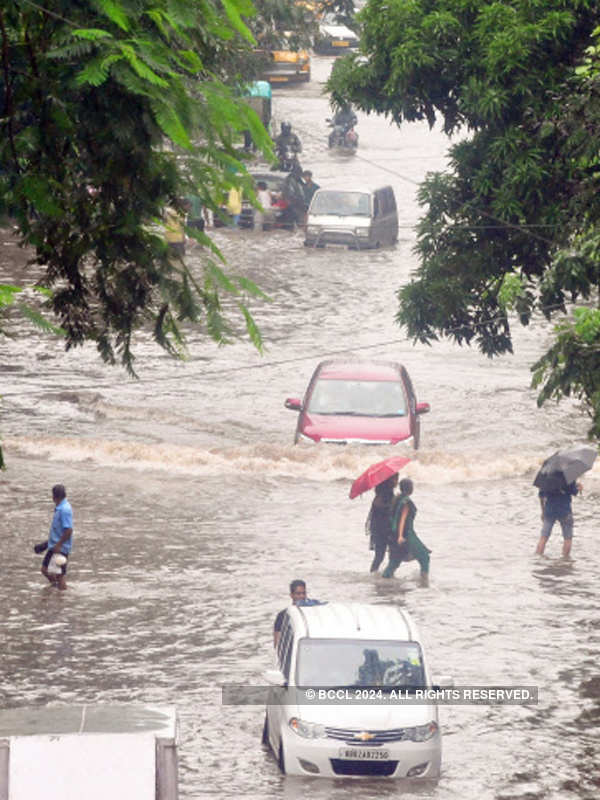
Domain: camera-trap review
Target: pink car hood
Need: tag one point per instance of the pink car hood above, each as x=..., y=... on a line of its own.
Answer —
x=375, y=429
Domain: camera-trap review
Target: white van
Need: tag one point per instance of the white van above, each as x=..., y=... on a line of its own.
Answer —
x=359, y=218
x=351, y=648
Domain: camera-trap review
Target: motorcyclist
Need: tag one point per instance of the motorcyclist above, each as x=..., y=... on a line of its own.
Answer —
x=287, y=141
x=345, y=118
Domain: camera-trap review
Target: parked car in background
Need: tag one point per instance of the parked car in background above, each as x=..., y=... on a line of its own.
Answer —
x=333, y=37
x=370, y=651
x=287, y=66
x=359, y=218
x=371, y=402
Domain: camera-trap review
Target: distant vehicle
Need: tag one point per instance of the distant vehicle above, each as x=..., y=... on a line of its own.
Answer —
x=334, y=38
x=359, y=218
x=370, y=402
x=290, y=207
x=342, y=136
x=370, y=651
x=287, y=66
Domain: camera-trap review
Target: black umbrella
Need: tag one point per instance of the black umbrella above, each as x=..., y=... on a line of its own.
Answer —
x=564, y=467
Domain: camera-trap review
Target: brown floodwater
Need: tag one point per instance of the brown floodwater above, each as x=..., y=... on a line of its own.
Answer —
x=193, y=511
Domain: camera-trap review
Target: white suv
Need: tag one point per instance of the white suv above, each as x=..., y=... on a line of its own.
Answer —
x=357, y=651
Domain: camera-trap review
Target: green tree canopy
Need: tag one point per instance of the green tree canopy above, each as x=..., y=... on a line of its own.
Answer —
x=113, y=110
x=515, y=217
x=283, y=25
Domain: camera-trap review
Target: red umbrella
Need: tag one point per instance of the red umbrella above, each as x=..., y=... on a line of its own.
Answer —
x=377, y=473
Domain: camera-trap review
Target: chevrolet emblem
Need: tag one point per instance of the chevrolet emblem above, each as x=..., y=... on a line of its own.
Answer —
x=365, y=736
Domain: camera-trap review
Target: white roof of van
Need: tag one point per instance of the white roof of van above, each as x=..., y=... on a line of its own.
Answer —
x=355, y=621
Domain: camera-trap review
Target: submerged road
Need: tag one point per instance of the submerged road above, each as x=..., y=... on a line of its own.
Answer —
x=193, y=510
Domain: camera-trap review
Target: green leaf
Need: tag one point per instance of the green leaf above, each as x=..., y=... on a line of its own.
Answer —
x=8, y=294
x=252, y=329
x=93, y=34
x=233, y=13
x=116, y=13
x=40, y=193
x=171, y=125
x=40, y=321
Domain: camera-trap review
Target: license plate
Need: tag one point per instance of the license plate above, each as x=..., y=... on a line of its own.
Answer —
x=340, y=44
x=276, y=78
x=364, y=754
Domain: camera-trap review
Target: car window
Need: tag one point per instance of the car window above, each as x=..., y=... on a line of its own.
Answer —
x=341, y=662
x=362, y=398
x=284, y=647
x=341, y=203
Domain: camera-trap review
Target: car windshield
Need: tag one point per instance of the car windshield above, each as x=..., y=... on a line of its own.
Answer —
x=340, y=662
x=361, y=398
x=342, y=204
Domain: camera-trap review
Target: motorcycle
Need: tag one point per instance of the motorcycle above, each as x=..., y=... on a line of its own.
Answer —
x=287, y=160
x=343, y=136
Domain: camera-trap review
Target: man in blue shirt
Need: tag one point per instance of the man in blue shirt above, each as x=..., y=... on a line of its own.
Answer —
x=60, y=539
x=556, y=507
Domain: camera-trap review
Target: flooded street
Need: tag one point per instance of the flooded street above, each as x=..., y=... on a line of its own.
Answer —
x=193, y=511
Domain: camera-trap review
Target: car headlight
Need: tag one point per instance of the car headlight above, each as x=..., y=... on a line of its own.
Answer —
x=308, y=730
x=421, y=733
x=314, y=230
x=361, y=231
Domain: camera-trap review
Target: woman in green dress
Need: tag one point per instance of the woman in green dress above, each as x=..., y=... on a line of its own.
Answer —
x=405, y=544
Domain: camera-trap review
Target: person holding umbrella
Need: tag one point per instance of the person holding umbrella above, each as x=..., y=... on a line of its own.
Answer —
x=557, y=484
x=406, y=545
x=379, y=522
x=556, y=507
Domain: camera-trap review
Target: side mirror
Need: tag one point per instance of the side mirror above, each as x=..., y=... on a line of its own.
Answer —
x=274, y=677
x=441, y=682
x=422, y=408
x=293, y=404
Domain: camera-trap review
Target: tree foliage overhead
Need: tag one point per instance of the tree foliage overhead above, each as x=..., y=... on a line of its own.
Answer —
x=283, y=24
x=516, y=215
x=111, y=111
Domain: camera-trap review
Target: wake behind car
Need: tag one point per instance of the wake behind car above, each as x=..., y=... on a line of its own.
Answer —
x=369, y=402
x=366, y=651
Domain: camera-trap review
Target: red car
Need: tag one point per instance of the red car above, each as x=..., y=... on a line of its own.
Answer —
x=372, y=402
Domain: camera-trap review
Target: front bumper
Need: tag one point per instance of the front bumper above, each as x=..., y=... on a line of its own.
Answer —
x=327, y=758
x=287, y=76
x=343, y=237
x=335, y=47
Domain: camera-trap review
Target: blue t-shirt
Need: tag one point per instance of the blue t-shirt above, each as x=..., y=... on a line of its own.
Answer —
x=63, y=518
x=558, y=504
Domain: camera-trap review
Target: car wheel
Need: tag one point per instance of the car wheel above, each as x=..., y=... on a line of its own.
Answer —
x=281, y=759
x=265, y=731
